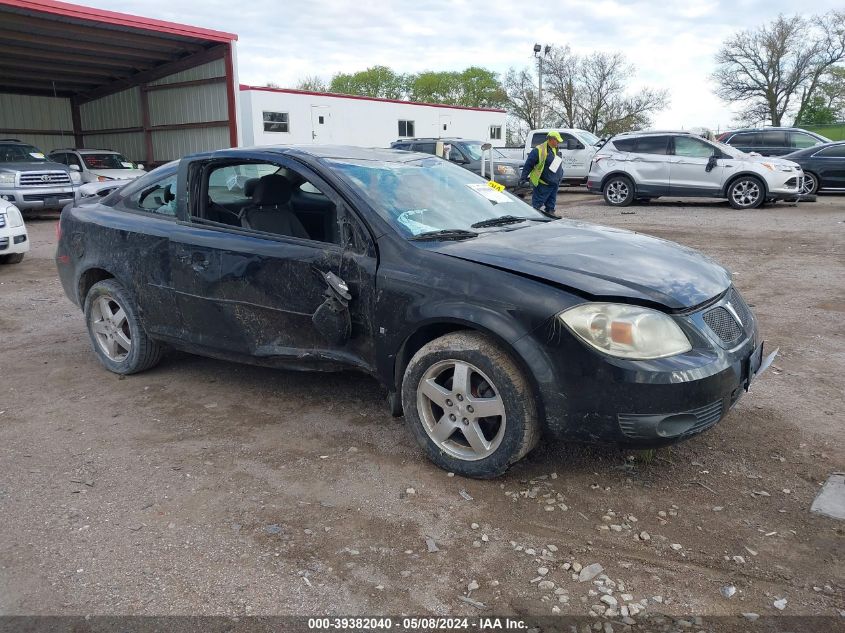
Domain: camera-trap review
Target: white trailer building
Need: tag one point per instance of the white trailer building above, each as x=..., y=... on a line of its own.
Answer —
x=278, y=116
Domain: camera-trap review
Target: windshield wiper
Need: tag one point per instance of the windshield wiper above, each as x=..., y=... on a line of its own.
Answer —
x=445, y=234
x=505, y=219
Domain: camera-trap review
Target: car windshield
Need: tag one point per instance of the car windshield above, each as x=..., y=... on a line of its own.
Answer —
x=473, y=149
x=589, y=137
x=106, y=161
x=429, y=194
x=21, y=154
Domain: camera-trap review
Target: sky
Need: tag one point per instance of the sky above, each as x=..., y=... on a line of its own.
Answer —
x=672, y=43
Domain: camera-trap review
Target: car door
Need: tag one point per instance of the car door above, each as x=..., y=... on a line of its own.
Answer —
x=575, y=155
x=829, y=165
x=688, y=168
x=649, y=165
x=255, y=291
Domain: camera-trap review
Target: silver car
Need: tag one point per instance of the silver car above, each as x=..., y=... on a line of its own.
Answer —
x=98, y=165
x=645, y=165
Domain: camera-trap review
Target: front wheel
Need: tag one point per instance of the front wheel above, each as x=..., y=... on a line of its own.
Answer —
x=469, y=405
x=618, y=191
x=810, y=184
x=746, y=192
x=118, y=338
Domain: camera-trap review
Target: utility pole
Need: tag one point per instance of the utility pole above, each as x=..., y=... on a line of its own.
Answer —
x=540, y=53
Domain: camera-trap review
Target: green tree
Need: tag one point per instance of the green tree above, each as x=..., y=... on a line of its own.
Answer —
x=435, y=87
x=480, y=88
x=376, y=81
x=817, y=112
x=312, y=83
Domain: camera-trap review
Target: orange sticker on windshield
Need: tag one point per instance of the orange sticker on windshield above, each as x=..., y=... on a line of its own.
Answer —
x=495, y=185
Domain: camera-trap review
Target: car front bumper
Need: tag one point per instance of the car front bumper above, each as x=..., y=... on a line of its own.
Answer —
x=13, y=240
x=589, y=396
x=39, y=197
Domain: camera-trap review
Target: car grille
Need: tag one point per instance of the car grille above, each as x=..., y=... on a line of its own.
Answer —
x=4, y=243
x=643, y=426
x=723, y=323
x=2, y=220
x=35, y=197
x=791, y=183
x=44, y=178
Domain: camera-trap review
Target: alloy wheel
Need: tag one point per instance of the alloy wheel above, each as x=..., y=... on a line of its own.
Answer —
x=746, y=193
x=461, y=410
x=808, y=185
x=111, y=328
x=617, y=191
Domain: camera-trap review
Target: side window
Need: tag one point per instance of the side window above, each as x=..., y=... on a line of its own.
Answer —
x=60, y=157
x=276, y=121
x=625, y=144
x=538, y=138
x=269, y=199
x=692, y=147
x=406, y=128
x=73, y=159
x=159, y=197
x=495, y=132
x=652, y=145
x=837, y=151
x=773, y=139
x=800, y=140
x=743, y=140
x=427, y=148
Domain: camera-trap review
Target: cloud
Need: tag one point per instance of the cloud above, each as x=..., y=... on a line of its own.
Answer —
x=671, y=42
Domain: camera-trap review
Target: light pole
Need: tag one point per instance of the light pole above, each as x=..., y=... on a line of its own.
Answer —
x=540, y=53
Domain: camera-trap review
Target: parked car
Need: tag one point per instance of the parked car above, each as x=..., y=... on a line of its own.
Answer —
x=14, y=241
x=646, y=165
x=772, y=141
x=823, y=165
x=487, y=322
x=576, y=151
x=467, y=154
x=30, y=181
x=98, y=165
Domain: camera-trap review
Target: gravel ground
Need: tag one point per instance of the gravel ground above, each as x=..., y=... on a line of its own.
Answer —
x=206, y=487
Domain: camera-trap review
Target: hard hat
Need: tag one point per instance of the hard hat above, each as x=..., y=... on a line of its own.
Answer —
x=555, y=135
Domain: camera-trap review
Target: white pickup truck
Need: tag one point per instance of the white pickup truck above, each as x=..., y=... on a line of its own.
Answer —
x=576, y=151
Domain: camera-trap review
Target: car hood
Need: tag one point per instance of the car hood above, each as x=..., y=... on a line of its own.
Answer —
x=600, y=261
x=768, y=159
x=118, y=174
x=33, y=166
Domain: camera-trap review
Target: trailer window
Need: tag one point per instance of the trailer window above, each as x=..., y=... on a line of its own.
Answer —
x=495, y=132
x=406, y=128
x=276, y=122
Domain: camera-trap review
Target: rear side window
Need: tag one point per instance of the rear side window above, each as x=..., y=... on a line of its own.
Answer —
x=837, y=151
x=746, y=139
x=625, y=144
x=427, y=148
x=799, y=140
x=773, y=139
x=652, y=145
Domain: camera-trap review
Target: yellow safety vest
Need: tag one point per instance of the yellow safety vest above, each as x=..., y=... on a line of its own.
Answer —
x=543, y=151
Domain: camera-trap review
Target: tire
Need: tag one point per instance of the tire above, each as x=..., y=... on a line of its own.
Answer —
x=14, y=258
x=495, y=382
x=113, y=325
x=618, y=191
x=746, y=192
x=811, y=184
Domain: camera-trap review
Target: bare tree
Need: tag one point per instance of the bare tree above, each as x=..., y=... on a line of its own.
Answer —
x=520, y=87
x=776, y=69
x=562, y=80
x=312, y=83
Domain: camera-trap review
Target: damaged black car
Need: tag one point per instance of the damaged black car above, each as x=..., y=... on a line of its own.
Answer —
x=488, y=323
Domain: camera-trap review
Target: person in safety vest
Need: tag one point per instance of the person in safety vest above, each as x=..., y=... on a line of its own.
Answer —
x=544, y=170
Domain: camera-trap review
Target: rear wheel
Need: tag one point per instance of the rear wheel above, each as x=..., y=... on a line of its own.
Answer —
x=618, y=191
x=810, y=185
x=469, y=405
x=118, y=338
x=14, y=258
x=746, y=192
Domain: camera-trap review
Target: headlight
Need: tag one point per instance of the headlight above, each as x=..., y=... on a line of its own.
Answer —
x=7, y=179
x=14, y=219
x=626, y=331
x=103, y=178
x=505, y=170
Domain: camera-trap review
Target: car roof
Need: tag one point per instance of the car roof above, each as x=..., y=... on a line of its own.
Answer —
x=649, y=132
x=344, y=152
x=82, y=150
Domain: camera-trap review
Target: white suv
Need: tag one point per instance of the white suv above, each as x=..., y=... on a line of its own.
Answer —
x=98, y=165
x=646, y=165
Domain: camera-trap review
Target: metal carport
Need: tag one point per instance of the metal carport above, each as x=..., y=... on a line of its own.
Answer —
x=76, y=76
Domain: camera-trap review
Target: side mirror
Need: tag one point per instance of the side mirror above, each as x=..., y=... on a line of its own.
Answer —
x=74, y=167
x=712, y=162
x=139, y=166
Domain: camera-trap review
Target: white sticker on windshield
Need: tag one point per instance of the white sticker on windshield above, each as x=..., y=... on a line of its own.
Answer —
x=488, y=192
x=37, y=155
x=127, y=165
